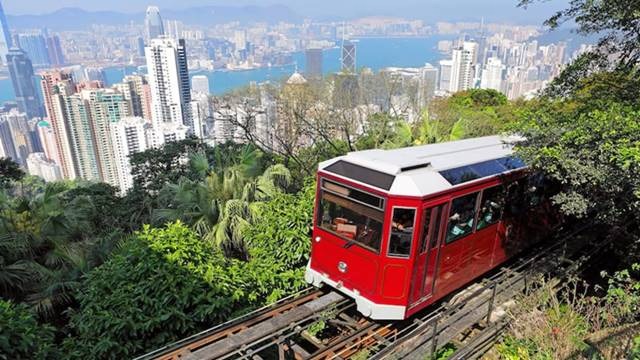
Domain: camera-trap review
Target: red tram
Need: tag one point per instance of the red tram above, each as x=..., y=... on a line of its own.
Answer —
x=399, y=229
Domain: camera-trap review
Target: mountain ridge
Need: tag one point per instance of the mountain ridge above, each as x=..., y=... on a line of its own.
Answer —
x=73, y=18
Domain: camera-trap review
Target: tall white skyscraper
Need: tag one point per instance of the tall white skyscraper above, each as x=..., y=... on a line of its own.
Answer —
x=458, y=74
x=127, y=138
x=492, y=74
x=169, y=83
x=153, y=25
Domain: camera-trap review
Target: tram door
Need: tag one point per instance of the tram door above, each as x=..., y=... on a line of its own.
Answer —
x=424, y=272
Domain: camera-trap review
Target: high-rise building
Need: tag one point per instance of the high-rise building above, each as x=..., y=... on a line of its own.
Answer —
x=127, y=138
x=240, y=39
x=47, y=140
x=34, y=44
x=39, y=165
x=173, y=29
x=348, y=60
x=133, y=87
x=169, y=82
x=5, y=35
x=164, y=133
x=107, y=106
x=21, y=72
x=78, y=121
x=7, y=148
x=313, y=69
x=200, y=84
x=446, y=67
x=56, y=85
x=492, y=74
x=224, y=125
x=140, y=45
x=56, y=56
x=153, y=23
x=92, y=73
x=23, y=140
x=458, y=74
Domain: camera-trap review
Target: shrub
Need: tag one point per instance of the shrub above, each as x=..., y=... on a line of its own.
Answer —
x=21, y=337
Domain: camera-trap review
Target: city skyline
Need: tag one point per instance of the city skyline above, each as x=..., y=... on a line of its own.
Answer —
x=91, y=126
x=433, y=10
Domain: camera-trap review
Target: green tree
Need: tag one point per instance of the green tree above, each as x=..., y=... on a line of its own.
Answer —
x=595, y=155
x=166, y=284
x=223, y=205
x=21, y=337
x=9, y=172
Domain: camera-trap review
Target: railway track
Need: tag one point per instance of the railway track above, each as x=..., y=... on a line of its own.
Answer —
x=325, y=325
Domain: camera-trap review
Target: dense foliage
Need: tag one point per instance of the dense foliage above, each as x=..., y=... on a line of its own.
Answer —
x=164, y=284
x=22, y=337
x=9, y=172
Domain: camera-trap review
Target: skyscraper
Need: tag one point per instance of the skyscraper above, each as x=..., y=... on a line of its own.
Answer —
x=107, y=107
x=55, y=85
x=5, y=35
x=47, y=140
x=153, y=23
x=348, y=59
x=458, y=74
x=34, y=44
x=56, y=56
x=200, y=84
x=313, y=69
x=492, y=74
x=7, y=148
x=21, y=72
x=81, y=140
x=134, y=89
x=169, y=82
x=127, y=138
x=445, y=74
x=21, y=132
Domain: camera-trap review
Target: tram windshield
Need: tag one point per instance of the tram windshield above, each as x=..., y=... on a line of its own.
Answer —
x=348, y=213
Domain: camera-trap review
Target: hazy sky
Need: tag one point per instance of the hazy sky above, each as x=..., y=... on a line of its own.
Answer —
x=502, y=10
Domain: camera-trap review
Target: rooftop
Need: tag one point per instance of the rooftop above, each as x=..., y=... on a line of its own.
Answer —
x=416, y=171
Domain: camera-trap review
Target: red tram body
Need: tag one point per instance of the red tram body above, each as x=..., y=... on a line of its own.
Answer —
x=399, y=229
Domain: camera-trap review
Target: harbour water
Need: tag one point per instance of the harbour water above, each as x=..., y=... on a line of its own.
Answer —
x=374, y=53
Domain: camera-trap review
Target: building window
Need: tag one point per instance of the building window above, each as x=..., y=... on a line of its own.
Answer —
x=461, y=217
x=401, y=235
x=491, y=206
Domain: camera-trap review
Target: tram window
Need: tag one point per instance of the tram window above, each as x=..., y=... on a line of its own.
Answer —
x=515, y=201
x=426, y=219
x=401, y=232
x=436, y=230
x=536, y=189
x=461, y=217
x=352, y=221
x=491, y=206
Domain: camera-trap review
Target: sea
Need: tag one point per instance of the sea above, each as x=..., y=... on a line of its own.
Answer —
x=374, y=53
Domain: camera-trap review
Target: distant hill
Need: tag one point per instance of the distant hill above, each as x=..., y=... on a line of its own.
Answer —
x=79, y=19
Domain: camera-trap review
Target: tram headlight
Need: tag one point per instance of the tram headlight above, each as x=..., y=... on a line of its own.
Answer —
x=342, y=267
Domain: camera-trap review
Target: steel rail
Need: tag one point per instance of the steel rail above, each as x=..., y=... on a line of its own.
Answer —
x=431, y=327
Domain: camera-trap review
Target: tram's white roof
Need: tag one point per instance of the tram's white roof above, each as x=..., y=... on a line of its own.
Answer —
x=416, y=169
